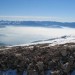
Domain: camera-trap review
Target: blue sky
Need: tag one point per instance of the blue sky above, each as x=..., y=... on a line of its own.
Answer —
x=59, y=10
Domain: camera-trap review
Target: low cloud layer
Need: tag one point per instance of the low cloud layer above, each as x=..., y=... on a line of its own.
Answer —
x=20, y=35
x=38, y=18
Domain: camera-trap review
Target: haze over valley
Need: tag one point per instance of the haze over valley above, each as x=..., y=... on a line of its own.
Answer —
x=24, y=32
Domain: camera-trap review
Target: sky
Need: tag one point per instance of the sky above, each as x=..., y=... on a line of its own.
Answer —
x=57, y=10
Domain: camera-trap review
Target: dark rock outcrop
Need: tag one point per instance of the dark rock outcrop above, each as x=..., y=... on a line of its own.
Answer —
x=60, y=59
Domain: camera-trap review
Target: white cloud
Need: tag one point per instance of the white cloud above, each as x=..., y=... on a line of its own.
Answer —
x=38, y=18
x=21, y=35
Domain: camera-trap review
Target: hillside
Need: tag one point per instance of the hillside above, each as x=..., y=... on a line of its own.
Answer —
x=58, y=58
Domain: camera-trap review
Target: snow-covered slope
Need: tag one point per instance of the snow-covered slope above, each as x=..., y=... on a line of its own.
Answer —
x=53, y=41
x=59, y=40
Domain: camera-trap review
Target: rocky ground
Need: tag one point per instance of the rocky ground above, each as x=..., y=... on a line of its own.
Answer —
x=60, y=59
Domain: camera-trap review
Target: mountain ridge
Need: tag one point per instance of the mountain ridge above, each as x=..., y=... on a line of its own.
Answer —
x=38, y=23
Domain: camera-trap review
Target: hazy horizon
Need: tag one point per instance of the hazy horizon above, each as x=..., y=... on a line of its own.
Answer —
x=45, y=10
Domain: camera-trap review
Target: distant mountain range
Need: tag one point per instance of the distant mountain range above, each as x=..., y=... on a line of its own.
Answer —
x=38, y=23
